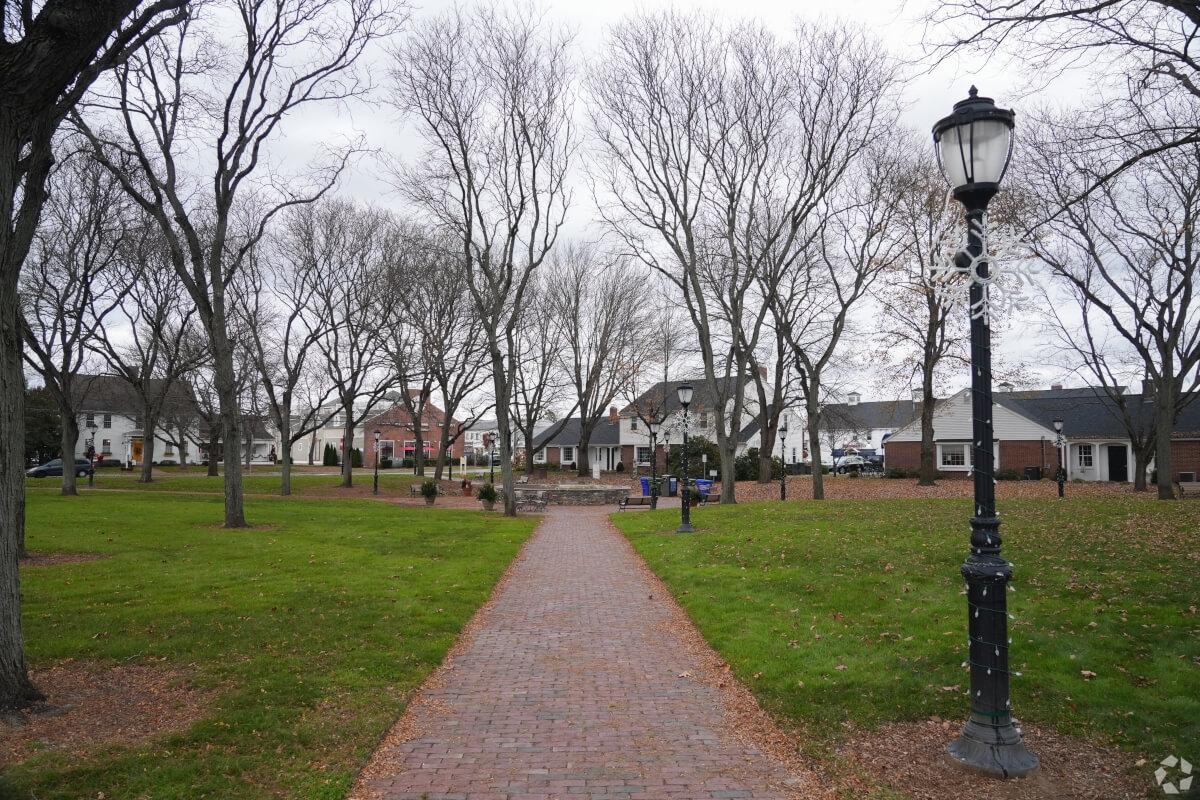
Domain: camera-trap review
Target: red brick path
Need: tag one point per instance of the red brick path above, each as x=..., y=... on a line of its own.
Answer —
x=576, y=684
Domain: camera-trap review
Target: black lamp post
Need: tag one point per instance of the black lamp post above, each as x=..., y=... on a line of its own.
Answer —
x=783, y=459
x=685, y=400
x=973, y=147
x=1060, y=474
x=91, y=453
x=375, y=482
x=653, y=426
x=492, y=461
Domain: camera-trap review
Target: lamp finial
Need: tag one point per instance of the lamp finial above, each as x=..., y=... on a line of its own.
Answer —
x=973, y=92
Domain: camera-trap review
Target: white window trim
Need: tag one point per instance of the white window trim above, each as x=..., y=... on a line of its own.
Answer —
x=540, y=456
x=562, y=454
x=638, y=453
x=967, y=457
x=1080, y=451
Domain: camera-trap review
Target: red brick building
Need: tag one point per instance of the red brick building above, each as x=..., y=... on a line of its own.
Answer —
x=398, y=434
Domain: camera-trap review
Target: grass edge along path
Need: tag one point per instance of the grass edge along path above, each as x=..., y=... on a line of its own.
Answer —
x=851, y=612
x=313, y=629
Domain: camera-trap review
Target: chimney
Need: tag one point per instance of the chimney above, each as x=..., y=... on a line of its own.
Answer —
x=1056, y=387
x=612, y=414
x=853, y=398
x=918, y=395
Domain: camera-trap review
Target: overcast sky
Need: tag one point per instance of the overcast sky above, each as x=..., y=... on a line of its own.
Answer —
x=930, y=95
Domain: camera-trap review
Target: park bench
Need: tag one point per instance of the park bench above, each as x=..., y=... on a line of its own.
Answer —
x=710, y=498
x=633, y=500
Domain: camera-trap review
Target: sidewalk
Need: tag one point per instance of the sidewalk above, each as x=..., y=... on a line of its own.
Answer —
x=581, y=678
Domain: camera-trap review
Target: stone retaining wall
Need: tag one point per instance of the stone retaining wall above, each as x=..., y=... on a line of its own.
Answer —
x=574, y=495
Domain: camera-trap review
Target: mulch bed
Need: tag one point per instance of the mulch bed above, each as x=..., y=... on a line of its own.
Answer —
x=911, y=757
x=37, y=558
x=92, y=704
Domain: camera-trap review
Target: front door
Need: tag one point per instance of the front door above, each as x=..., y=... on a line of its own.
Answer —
x=1118, y=463
x=136, y=451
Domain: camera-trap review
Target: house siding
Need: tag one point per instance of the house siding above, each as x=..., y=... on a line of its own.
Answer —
x=1013, y=456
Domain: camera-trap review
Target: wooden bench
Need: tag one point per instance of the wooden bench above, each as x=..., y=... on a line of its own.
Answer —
x=633, y=500
x=710, y=498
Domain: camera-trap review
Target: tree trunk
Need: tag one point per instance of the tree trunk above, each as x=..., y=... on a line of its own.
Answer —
x=150, y=418
x=1141, y=459
x=766, y=452
x=582, y=458
x=214, y=442
x=1163, y=423
x=928, y=471
x=418, y=447
x=503, y=430
x=814, y=439
x=70, y=437
x=347, y=446
x=312, y=447
x=285, y=458
x=728, y=468
x=528, y=435
x=231, y=435
x=16, y=690
x=443, y=447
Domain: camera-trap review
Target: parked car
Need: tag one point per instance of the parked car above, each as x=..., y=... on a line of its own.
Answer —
x=849, y=463
x=54, y=467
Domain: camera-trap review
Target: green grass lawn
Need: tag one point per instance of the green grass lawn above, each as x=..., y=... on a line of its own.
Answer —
x=312, y=628
x=195, y=479
x=851, y=610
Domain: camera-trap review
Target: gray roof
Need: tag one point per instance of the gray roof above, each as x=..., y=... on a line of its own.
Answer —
x=663, y=397
x=868, y=416
x=606, y=432
x=114, y=394
x=1090, y=411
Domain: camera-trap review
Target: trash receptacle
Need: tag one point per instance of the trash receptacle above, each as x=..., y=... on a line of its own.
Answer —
x=645, y=486
x=1033, y=473
x=672, y=486
x=703, y=486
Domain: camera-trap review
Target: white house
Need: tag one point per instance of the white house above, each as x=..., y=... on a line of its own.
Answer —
x=857, y=425
x=110, y=419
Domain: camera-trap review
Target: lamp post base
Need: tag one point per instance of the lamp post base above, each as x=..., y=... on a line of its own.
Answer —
x=995, y=750
x=685, y=528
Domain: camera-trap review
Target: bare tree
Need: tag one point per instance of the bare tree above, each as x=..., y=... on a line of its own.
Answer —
x=1127, y=253
x=717, y=147
x=856, y=242
x=1140, y=57
x=601, y=332
x=540, y=385
x=187, y=128
x=347, y=244
x=160, y=341
x=52, y=52
x=283, y=332
x=72, y=285
x=431, y=300
x=491, y=92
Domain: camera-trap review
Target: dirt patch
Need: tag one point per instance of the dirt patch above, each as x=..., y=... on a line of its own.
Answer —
x=256, y=526
x=911, y=758
x=37, y=558
x=91, y=704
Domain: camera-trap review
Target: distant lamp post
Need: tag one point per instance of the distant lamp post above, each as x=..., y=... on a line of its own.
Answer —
x=91, y=453
x=375, y=486
x=974, y=145
x=1060, y=474
x=653, y=427
x=685, y=400
x=492, y=460
x=783, y=459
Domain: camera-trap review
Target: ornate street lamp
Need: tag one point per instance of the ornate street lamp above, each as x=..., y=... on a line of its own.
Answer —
x=973, y=148
x=1060, y=474
x=91, y=453
x=783, y=458
x=375, y=487
x=685, y=399
x=654, y=426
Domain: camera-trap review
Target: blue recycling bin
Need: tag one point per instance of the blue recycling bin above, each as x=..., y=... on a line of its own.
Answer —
x=703, y=486
x=645, y=487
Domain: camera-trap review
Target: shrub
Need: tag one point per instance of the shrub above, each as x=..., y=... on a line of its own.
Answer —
x=406, y=463
x=487, y=493
x=1008, y=475
x=900, y=472
x=854, y=473
x=745, y=468
x=385, y=463
x=330, y=457
x=697, y=446
x=429, y=489
x=355, y=457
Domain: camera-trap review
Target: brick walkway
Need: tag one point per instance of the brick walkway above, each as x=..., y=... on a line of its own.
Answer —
x=576, y=683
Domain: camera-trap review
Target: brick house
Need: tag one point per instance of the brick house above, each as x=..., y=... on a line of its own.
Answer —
x=1097, y=445
x=397, y=434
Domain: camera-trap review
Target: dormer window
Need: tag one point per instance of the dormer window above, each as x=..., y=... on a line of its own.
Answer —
x=853, y=398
